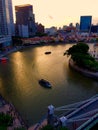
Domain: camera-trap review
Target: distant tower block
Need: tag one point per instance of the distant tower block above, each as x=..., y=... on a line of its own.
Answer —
x=85, y=23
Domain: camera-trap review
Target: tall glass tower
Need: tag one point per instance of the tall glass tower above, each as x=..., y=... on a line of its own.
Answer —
x=6, y=18
x=6, y=23
x=85, y=23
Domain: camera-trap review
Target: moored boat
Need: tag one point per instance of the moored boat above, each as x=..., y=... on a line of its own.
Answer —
x=48, y=52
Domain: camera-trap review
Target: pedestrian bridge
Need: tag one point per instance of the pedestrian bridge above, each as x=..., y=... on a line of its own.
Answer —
x=82, y=115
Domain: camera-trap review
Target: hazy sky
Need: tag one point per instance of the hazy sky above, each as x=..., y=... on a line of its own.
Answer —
x=61, y=12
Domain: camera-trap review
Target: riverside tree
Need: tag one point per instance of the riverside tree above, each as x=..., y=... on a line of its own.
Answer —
x=79, y=54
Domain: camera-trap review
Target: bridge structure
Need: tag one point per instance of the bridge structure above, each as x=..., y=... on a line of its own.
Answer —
x=82, y=115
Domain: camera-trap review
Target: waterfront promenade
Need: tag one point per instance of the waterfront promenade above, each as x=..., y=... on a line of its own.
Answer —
x=18, y=122
x=8, y=108
x=13, y=49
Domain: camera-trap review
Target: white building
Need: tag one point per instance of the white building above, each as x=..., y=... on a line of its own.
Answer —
x=6, y=23
x=51, y=31
x=93, y=51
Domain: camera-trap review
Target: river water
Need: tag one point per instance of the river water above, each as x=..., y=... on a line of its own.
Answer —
x=19, y=81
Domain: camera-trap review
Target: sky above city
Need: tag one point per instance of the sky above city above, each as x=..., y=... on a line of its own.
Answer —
x=61, y=12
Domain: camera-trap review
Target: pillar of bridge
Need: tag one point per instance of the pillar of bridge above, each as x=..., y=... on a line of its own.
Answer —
x=50, y=117
x=63, y=121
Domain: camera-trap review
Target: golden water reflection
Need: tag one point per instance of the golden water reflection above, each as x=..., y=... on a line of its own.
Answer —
x=19, y=81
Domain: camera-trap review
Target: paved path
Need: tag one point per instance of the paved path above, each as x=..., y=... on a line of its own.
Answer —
x=38, y=126
x=8, y=108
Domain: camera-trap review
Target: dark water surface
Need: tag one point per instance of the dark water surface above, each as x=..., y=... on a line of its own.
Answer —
x=19, y=81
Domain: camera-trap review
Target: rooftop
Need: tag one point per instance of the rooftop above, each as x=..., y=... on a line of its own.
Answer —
x=24, y=5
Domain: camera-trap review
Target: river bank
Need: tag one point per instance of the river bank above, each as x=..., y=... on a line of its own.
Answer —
x=17, y=48
x=13, y=49
x=93, y=75
x=8, y=108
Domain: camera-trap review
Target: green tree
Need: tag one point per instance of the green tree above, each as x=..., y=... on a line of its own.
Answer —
x=5, y=119
x=47, y=127
x=78, y=48
x=79, y=54
x=3, y=128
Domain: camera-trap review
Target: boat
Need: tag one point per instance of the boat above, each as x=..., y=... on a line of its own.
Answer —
x=3, y=59
x=48, y=52
x=45, y=83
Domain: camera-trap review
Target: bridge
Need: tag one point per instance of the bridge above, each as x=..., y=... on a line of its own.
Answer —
x=77, y=116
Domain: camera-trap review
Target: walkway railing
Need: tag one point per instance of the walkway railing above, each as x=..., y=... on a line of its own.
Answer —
x=81, y=108
x=91, y=122
x=75, y=105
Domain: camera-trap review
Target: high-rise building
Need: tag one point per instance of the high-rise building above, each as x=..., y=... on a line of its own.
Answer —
x=40, y=28
x=25, y=17
x=94, y=29
x=6, y=23
x=85, y=23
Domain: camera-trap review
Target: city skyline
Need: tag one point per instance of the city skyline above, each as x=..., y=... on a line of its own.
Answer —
x=59, y=13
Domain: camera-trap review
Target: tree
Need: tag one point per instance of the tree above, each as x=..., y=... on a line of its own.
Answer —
x=79, y=54
x=78, y=48
x=5, y=119
x=47, y=127
x=3, y=128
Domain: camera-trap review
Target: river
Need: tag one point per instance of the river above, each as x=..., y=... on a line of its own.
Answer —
x=19, y=81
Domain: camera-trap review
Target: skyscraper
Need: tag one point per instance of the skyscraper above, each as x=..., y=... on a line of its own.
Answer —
x=85, y=23
x=6, y=17
x=25, y=17
x=6, y=23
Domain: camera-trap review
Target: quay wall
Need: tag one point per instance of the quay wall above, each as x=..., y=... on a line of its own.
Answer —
x=93, y=75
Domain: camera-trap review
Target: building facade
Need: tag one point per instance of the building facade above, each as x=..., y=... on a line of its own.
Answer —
x=6, y=23
x=94, y=29
x=85, y=23
x=25, y=17
x=51, y=31
x=40, y=28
